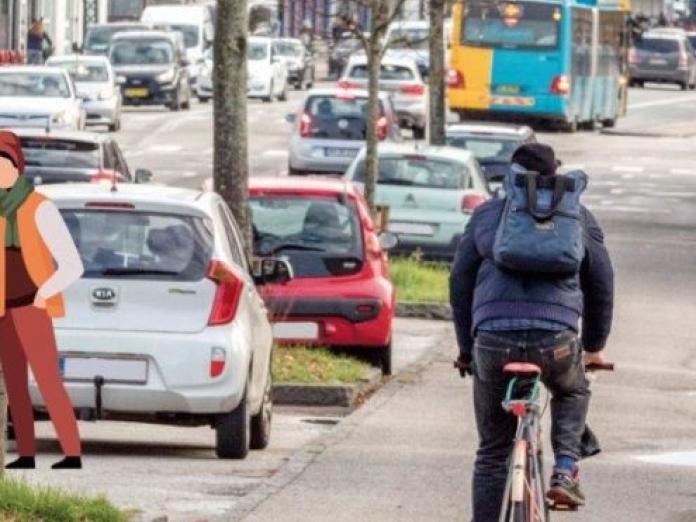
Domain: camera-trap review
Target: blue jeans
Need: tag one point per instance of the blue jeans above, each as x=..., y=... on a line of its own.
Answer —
x=35, y=57
x=560, y=357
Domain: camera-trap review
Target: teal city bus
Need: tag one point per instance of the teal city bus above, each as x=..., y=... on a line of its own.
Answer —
x=562, y=61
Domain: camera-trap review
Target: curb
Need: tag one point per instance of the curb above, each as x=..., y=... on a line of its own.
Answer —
x=436, y=311
x=325, y=394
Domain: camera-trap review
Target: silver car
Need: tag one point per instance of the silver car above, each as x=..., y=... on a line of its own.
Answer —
x=330, y=129
x=401, y=78
x=204, y=85
x=166, y=324
x=96, y=84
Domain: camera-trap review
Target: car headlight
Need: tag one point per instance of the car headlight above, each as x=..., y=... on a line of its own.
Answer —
x=60, y=118
x=106, y=94
x=166, y=77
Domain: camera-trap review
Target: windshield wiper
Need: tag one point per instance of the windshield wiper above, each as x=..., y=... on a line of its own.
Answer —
x=395, y=182
x=137, y=271
x=295, y=246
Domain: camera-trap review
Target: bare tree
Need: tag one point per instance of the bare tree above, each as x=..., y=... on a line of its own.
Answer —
x=436, y=78
x=382, y=13
x=230, y=161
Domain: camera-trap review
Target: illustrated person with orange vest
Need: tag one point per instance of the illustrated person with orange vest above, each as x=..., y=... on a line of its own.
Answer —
x=38, y=263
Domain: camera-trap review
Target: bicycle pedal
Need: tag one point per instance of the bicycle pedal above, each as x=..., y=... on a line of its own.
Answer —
x=561, y=507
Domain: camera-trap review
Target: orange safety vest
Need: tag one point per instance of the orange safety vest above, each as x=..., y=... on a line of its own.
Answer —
x=35, y=253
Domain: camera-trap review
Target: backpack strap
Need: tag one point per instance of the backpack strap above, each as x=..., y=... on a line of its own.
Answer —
x=560, y=186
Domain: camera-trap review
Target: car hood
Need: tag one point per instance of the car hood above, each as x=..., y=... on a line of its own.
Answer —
x=141, y=70
x=33, y=105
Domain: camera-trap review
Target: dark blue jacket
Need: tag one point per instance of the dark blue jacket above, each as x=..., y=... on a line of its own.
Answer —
x=479, y=290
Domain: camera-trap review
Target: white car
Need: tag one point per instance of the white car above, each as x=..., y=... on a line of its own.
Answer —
x=39, y=96
x=166, y=322
x=268, y=74
x=409, y=39
x=204, y=85
x=96, y=85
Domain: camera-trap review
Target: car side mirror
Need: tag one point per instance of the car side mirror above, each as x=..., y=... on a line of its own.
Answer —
x=388, y=240
x=291, y=118
x=271, y=270
x=143, y=175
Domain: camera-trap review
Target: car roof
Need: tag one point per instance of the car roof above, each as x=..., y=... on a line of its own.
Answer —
x=664, y=34
x=310, y=185
x=35, y=132
x=409, y=24
x=32, y=69
x=436, y=151
x=333, y=91
x=150, y=33
x=387, y=59
x=260, y=39
x=117, y=24
x=65, y=58
x=484, y=128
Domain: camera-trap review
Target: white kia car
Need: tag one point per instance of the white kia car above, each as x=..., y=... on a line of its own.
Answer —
x=268, y=74
x=166, y=324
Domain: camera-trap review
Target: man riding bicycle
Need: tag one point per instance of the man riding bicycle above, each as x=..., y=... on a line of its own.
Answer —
x=504, y=315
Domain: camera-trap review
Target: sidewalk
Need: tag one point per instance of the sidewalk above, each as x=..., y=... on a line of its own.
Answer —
x=405, y=456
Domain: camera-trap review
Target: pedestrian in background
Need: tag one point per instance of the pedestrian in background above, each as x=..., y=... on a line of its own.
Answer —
x=35, y=43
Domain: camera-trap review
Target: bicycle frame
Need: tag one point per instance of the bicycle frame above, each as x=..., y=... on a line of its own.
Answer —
x=524, y=499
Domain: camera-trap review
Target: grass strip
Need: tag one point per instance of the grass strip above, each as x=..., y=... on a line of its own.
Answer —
x=419, y=282
x=310, y=365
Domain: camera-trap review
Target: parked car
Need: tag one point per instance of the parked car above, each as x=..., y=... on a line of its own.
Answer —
x=331, y=127
x=492, y=145
x=193, y=21
x=341, y=294
x=98, y=37
x=166, y=313
x=431, y=193
x=663, y=57
x=298, y=61
x=39, y=96
x=150, y=69
x=64, y=156
x=402, y=79
x=268, y=75
x=341, y=52
x=204, y=85
x=409, y=39
x=96, y=84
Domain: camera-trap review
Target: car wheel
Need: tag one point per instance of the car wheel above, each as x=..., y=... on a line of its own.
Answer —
x=176, y=102
x=418, y=133
x=684, y=85
x=385, y=359
x=261, y=422
x=187, y=104
x=232, y=432
x=115, y=126
x=570, y=126
x=294, y=172
x=204, y=99
x=609, y=123
x=283, y=96
x=269, y=98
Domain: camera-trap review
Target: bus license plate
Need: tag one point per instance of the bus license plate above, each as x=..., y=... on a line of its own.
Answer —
x=508, y=89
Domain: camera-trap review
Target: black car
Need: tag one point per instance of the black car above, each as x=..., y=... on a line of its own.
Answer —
x=59, y=157
x=151, y=69
x=99, y=36
x=298, y=60
x=341, y=52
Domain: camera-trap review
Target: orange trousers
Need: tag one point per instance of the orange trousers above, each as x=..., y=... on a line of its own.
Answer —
x=27, y=339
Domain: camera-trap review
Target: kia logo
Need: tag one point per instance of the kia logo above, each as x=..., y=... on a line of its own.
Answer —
x=104, y=294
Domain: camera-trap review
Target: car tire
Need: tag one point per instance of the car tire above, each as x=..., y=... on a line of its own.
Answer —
x=204, y=99
x=187, y=104
x=384, y=358
x=294, y=172
x=283, y=96
x=176, y=102
x=684, y=86
x=269, y=98
x=609, y=123
x=232, y=432
x=418, y=133
x=115, y=126
x=261, y=422
x=570, y=126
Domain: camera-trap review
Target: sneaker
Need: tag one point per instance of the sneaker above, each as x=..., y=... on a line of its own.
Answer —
x=565, y=490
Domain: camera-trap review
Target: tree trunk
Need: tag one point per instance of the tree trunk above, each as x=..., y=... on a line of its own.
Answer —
x=231, y=161
x=436, y=79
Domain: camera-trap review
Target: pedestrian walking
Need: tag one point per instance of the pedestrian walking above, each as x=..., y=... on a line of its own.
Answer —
x=39, y=44
x=524, y=275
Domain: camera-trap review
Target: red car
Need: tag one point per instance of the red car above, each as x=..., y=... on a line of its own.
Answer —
x=341, y=294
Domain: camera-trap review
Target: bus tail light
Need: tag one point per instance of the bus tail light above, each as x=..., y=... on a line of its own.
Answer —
x=382, y=125
x=471, y=201
x=305, y=125
x=560, y=84
x=455, y=79
x=228, y=293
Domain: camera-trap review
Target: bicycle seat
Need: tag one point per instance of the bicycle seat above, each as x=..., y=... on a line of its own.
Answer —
x=519, y=368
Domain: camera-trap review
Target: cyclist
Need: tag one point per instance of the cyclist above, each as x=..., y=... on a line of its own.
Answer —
x=503, y=316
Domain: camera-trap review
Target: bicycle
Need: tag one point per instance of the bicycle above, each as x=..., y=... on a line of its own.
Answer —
x=525, y=498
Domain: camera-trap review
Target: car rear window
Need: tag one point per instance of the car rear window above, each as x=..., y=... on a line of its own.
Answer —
x=54, y=153
x=320, y=235
x=658, y=45
x=128, y=244
x=417, y=171
x=387, y=72
x=338, y=117
x=486, y=148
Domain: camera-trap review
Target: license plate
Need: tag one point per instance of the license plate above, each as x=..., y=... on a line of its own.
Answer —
x=412, y=229
x=657, y=61
x=137, y=92
x=296, y=331
x=340, y=153
x=113, y=370
x=508, y=89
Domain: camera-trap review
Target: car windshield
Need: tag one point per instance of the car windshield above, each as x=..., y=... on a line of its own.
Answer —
x=289, y=49
x=257, y=51
x=81, y=71
x=409, y=38
x=314, y=232
x=53, y=153
x=658, y=45
x=99, y=38
x=486, y=149
x=415, y=170
x=142, y=52
x=190, y=33
x=338, y=117
x=511, y=24
x=122, y=244
x=387, y=72
x=33, y=84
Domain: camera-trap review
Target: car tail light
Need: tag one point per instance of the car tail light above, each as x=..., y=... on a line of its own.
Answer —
x=382, y=126
x=345, y=84
x=471, y=201
x=217, y=361
x=227, y=294
x=683, y=59
x=632, y=56
x=560, y=84
x=416, y=89
x=305, y=125
x=109, y=204
x=455, y=79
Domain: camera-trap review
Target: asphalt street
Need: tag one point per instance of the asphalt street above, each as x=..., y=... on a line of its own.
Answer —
x=643, y=191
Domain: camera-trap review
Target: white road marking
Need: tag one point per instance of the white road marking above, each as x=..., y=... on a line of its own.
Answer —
x=678, y=458
x=683, y=172
x=609, y=206
x=617, y=191
x=627, y=168
x=658, y=103
x=189, y=174
x=164, y=149
x=275, y=153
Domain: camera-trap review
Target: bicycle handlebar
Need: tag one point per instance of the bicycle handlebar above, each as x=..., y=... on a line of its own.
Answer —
x=594, y=367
